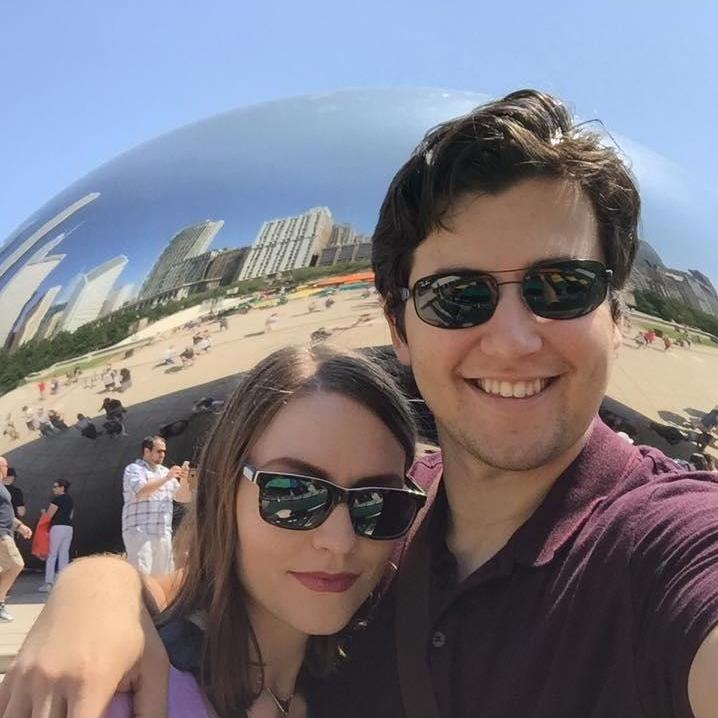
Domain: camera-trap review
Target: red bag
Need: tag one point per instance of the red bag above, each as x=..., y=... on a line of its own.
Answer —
x=41, y=538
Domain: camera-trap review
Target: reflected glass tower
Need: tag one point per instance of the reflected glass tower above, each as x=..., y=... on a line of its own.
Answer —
x=90, y=294
x=289, y=243
x=23, y=285
x=188, y=243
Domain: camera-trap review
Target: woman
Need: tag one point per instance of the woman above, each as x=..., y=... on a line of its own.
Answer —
x=302, y=496
x=61, y=512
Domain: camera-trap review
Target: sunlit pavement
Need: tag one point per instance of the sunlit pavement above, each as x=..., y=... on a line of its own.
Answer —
x=24, y=605
x=648, y=380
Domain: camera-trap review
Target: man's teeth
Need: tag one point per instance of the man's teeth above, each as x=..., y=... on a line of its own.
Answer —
x=516, y=389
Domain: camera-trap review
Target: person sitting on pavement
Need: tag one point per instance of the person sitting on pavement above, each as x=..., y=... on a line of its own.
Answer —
x=86, y=427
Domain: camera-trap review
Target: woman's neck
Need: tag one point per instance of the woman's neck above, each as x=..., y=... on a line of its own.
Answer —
x=282, y=649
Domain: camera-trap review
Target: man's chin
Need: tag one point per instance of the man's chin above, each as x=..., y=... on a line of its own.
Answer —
x=515, y=453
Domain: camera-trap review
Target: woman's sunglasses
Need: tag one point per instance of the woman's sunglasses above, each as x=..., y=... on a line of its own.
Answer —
x=301, y=503
x=562, y=289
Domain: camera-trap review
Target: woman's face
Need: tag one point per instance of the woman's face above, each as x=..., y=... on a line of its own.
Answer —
x=315, y=580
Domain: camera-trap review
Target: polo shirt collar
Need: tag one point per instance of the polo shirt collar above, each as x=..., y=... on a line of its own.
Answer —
x=587, y=481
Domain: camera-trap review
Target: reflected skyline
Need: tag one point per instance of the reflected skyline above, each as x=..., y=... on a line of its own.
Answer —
x=253, y=166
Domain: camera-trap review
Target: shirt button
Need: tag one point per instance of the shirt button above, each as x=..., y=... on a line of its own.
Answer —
x=438, y=640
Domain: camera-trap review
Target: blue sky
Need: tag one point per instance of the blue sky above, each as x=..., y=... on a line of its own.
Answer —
x=81, y=82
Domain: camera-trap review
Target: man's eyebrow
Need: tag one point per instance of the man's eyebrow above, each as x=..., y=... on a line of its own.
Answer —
x=464, y=269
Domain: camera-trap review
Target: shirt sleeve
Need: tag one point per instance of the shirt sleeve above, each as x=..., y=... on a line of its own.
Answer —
x=134, y=478
x=674, y=574
x=19, y=498
x=121, y=707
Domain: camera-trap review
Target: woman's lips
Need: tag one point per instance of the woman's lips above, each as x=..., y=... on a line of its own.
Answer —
x=326, y=582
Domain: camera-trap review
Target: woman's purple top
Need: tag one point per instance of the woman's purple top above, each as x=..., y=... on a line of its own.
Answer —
x=185, y=699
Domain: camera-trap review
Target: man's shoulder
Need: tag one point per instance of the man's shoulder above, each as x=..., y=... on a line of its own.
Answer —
x=656, y=495
x=135, y=466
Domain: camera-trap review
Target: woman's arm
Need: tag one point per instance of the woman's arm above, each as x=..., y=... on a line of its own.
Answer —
x=51, y=510
x=94, y=637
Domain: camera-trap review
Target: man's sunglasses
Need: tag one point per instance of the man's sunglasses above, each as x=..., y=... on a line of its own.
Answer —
x=562, y=289
x=301, y=503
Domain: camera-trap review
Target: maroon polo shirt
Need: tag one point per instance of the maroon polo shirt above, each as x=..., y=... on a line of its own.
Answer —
x=594, y=608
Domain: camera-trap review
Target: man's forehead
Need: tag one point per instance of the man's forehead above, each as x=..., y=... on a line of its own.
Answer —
x=528, y=223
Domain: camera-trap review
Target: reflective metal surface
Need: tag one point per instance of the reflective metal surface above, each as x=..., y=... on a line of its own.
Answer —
x=149, y=226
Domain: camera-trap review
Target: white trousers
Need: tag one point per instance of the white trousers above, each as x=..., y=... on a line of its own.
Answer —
x=149, y=554
x=60, y=540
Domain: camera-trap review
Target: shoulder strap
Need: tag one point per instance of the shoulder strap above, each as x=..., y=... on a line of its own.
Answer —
x=411, y=621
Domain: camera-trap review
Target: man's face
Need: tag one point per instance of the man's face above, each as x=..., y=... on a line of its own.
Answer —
x=156, y=455
x=534, y=220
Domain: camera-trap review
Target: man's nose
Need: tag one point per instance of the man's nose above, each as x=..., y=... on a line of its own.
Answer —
x=513, y=330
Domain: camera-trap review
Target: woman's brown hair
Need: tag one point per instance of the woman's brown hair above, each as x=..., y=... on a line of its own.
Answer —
x=231, y=664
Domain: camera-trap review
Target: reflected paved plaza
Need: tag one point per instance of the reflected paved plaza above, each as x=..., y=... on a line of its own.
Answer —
x=651, y=381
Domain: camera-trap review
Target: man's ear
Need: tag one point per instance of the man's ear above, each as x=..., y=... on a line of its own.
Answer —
x=401, y=348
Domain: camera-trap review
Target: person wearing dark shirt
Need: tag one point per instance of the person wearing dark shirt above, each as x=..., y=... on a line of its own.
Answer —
x=11, y=562
x=560, y=571
x=114, y=412
x=61, y=512
x=18, y=499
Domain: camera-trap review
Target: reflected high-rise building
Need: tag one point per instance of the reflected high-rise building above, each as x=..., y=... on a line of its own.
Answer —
x=90, y=294
x=227, y=265
x=33, y=319
x=43, y=231
x=116, y=298
x=289, y=243
x=21, y=287
x=691, y=287
x=189, y=242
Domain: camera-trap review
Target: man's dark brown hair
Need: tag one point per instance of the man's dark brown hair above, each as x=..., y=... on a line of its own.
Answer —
x=525, y=135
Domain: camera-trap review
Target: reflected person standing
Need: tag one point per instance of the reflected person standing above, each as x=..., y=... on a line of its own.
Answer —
x=149, y=488
x=61, y=512
x=11, y=563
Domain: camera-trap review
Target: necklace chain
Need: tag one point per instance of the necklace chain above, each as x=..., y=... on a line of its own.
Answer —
x=283, y=704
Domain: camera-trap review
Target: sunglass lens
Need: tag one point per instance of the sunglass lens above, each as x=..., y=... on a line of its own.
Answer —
x=382, y=514
x=293, y=502
x=565, y=290
x=455, y=301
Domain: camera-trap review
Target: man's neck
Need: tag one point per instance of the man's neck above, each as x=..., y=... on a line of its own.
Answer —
x=487, y=505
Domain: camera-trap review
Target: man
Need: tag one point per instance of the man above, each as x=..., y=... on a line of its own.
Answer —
x=560, y=571
x=16, y=495
x=11, y=563
x=148, y=489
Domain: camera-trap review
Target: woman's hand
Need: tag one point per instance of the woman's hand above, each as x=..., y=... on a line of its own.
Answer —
x=93, y=638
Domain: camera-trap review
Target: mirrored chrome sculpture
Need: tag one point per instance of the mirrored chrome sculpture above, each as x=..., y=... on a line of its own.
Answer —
x=248, y=193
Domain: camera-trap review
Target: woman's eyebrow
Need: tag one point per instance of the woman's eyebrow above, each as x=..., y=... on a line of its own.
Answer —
x=389, y=479
x=304, y=467
x=294, y=464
